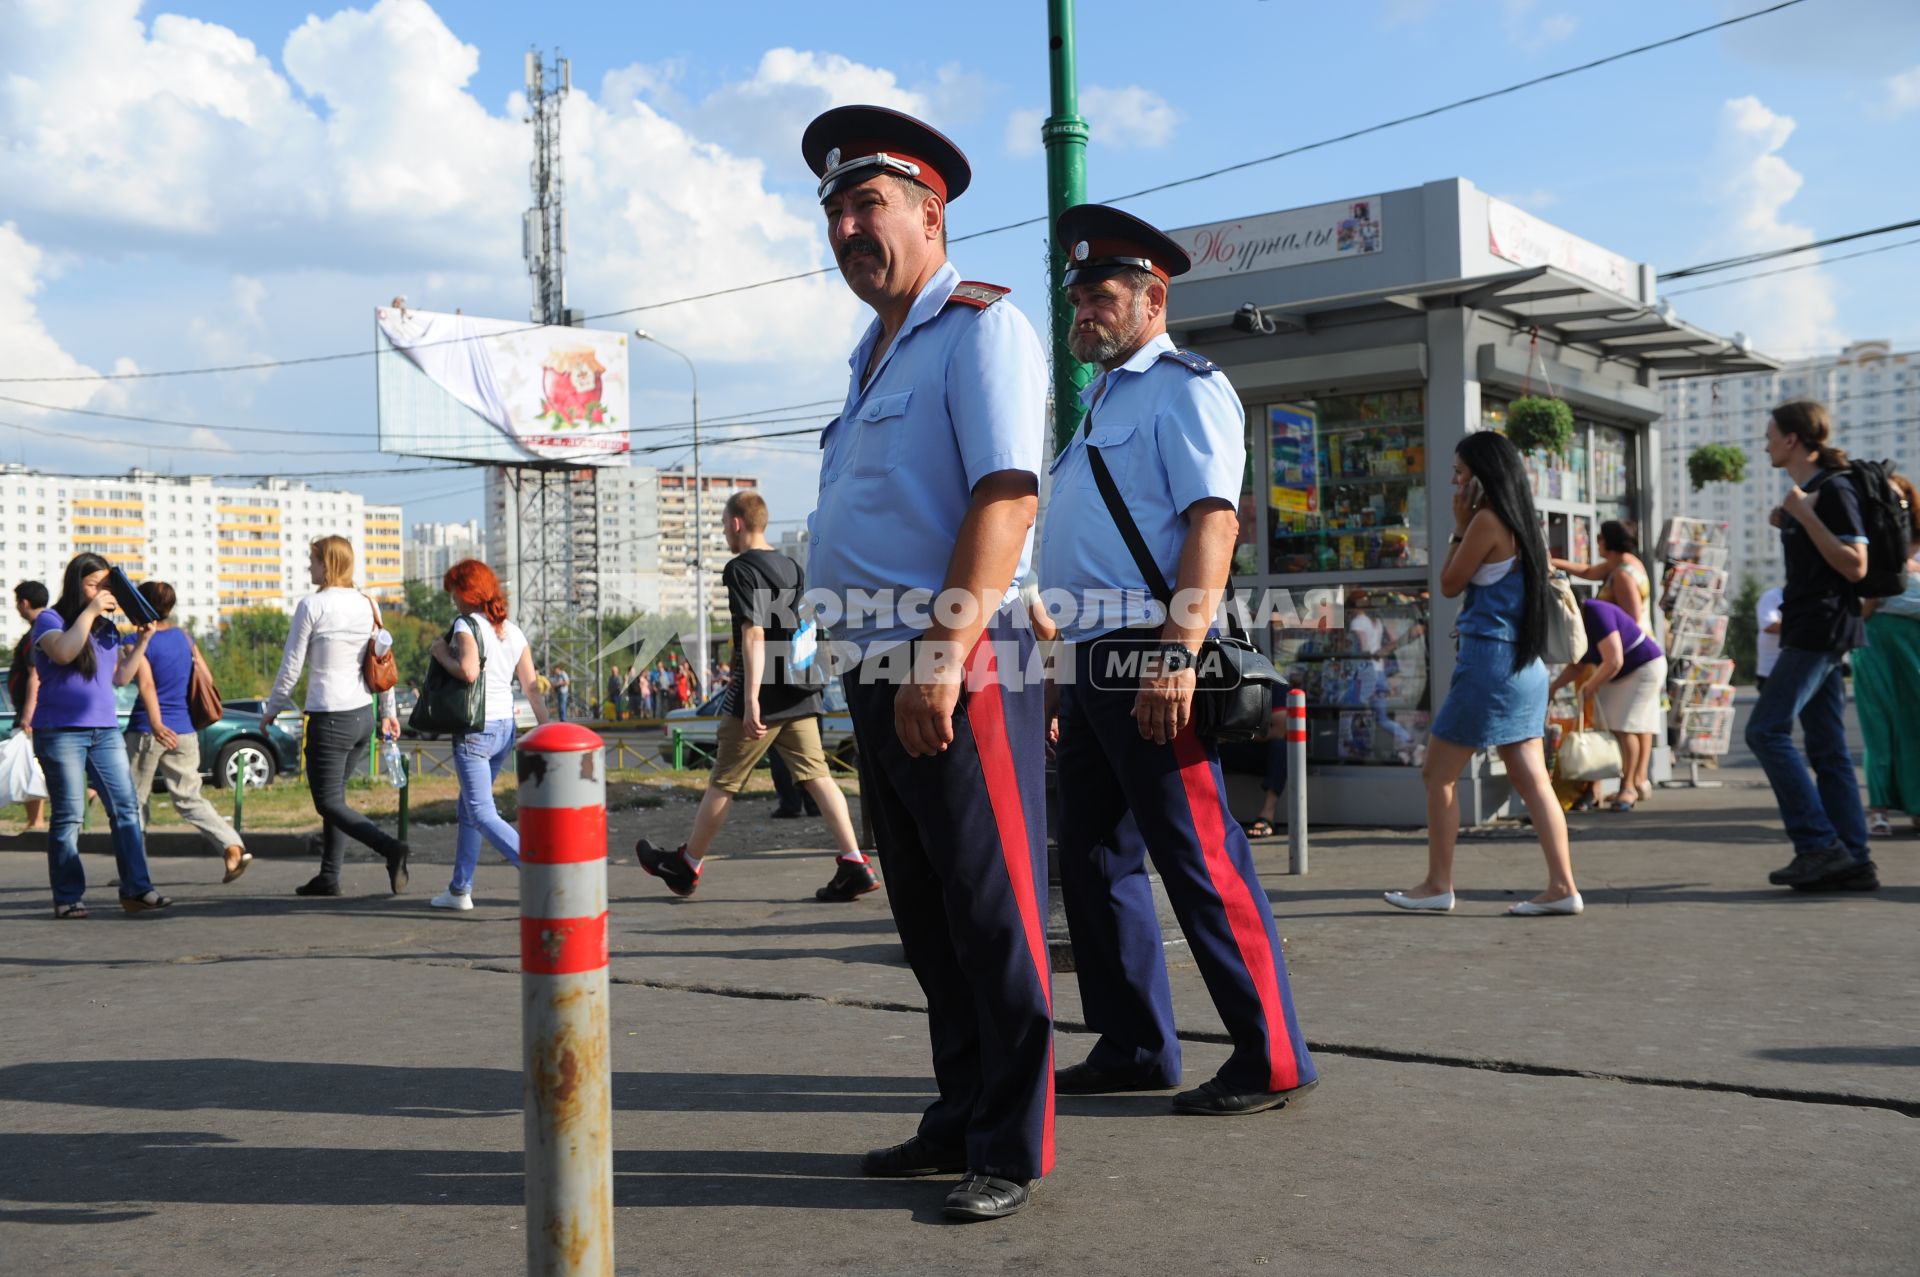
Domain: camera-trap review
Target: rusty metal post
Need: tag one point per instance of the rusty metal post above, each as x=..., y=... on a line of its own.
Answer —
x=1297, y=781
x=568, y=1085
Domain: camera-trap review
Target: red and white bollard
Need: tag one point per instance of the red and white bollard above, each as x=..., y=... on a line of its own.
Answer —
x=568, y=1086
x=1297, y=781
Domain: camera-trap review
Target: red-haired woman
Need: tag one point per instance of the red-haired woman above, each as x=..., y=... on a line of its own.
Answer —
x=483, y=630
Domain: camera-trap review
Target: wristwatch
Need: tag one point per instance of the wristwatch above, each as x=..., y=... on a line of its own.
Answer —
x=1175, y=657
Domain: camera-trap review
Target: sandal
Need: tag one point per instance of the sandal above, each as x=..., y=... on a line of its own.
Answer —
x=140, y=904
x=238, y=867
x=1878, y=826
x=1261, y=828
x=1584, y=803
x=75, y=910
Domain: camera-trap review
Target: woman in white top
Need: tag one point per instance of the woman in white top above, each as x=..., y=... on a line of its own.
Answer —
x=328, y=637
x=483, y=630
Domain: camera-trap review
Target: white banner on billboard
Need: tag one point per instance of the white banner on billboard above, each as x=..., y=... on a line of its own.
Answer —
x=545, y=393
x=1519, y=237
x=1349, y=228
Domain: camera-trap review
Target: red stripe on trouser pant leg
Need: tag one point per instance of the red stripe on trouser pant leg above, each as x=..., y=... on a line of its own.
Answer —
x=987, y=713
x=1243, y=916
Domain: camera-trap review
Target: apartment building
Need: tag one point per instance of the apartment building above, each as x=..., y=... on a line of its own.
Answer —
x=432, y=548
x=1873, y=393
x=221, y=546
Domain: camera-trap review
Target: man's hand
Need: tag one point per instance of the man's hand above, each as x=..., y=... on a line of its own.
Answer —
x=923, y=712
x=168, y=738
x=750, y=724
x=1798, y=505
x=1164, y=705
x=1053, y=714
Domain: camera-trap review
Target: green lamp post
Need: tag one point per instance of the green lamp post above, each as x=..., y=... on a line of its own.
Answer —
x=1065, y=137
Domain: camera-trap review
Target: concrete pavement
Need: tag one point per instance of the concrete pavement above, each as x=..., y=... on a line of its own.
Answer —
x=1700, y=1075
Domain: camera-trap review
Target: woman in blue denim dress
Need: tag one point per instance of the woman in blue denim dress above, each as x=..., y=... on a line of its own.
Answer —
x=1498, y=696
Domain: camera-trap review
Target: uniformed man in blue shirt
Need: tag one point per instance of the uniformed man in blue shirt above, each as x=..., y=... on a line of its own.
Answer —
x=1170, y=431
x=929, y=483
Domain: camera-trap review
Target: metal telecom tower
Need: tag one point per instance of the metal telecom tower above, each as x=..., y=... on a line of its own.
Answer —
x=555, y=508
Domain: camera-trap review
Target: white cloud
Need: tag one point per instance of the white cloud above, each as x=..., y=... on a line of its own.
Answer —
x=1793, y=311
x=371, y=158
x=1537, y=200
x=27, y=349
x=1532, y=30
x=1903, y=91
x=1130, y=117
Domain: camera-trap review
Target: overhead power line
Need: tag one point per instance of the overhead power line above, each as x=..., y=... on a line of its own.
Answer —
x=1787, y=270
x=1751, y=259
x=1336, y=139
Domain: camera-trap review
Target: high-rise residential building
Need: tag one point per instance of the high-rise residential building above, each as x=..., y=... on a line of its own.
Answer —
x=432, y=548
x=383, y=573
x=643, y=520
x=221, y=546
x=794, y=543
x=1873, y=393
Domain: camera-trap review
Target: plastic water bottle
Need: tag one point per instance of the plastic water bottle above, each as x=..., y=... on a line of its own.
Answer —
x=390, y=764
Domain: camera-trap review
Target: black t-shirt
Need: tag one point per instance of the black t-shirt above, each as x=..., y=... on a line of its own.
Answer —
x=764, y=589
x=1818, y=609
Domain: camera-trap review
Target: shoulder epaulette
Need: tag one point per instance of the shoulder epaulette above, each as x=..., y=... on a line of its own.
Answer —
x=1200, y=365
x=977, y=295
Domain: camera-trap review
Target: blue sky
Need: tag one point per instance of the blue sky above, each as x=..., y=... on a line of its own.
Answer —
x=221, y=182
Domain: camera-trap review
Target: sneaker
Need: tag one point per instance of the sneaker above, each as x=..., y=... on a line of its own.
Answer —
x=459, y=900
x=1791, y=872
x=1820, y=864
x=1860, y=875
x=670, y=867
x=850, y=880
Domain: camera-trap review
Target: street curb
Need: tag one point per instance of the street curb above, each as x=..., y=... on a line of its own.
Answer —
x=169, y=842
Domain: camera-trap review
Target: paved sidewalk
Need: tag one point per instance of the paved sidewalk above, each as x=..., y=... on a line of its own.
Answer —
x=1701, y=1075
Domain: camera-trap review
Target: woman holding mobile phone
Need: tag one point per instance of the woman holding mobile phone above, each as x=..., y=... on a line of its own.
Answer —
x=1498, y=696
x=76, y=734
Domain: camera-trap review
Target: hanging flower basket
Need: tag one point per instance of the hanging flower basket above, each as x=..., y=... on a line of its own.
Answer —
x=1538, y=424
x=1716, y=463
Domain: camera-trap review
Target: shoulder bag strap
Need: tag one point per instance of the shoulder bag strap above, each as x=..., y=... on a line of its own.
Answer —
x=1137, y=544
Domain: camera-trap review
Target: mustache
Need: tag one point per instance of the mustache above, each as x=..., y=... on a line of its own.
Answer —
x=859, y=244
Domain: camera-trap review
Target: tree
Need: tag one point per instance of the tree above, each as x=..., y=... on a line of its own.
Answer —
x=247, y=653
x=435, y=607
x=1743, y=630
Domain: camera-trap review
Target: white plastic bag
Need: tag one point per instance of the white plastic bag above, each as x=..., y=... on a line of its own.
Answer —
x=20, y=774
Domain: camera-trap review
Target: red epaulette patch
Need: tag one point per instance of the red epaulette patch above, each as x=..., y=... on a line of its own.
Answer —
x=980, y=296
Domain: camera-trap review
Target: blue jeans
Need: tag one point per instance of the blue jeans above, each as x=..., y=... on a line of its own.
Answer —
x=71, y=757
x=1807, y=685
x=560, y=701
x=477, y=759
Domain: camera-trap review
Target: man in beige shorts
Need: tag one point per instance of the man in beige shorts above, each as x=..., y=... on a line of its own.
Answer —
x=769, y=705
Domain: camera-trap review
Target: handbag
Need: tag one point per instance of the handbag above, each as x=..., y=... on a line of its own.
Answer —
x=447, y=703
x=1565, y=642
x=1588, y=755
x=203, y=695
x=1236, y=685
x=377, y=668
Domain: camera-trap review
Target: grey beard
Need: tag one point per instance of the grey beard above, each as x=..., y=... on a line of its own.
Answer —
x=1093, y=349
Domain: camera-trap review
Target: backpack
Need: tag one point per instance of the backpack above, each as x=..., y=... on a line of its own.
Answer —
x=1889, y=527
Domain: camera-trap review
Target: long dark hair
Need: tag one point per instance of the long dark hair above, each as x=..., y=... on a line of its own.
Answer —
x=1496, y=463
x=72, y=603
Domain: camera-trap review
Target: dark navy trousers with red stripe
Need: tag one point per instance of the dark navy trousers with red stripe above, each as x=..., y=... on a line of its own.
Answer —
x=1179, y=805
x=963, y=847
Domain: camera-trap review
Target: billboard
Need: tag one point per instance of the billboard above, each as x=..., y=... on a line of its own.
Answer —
x=491, y=390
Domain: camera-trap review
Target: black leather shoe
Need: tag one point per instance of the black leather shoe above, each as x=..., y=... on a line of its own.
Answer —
x=1826, y=863
x=987, y=1197
x=397, y=868
x=1861, y=875
x=1091, y=1079
x=1212, y=1098
x=911, y=1160
x=318, y=887
x=1792, y=870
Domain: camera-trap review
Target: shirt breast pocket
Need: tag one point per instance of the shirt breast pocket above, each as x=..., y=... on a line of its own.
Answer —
x=1118, y=445
x=881, y=426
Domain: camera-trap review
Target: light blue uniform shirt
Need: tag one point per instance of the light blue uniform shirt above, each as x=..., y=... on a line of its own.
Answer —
x=961, y=394
x=1171, y=435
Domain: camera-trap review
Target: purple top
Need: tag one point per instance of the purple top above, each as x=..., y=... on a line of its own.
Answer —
x=170, y=657
x=1636, y=646
x=67, y=699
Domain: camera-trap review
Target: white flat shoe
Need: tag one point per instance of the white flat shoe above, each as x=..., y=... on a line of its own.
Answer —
x=452, y=900
x=1442, y=903
x=1540, y=909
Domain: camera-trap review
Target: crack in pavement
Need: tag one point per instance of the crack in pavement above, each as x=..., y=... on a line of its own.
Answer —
x=1788, y=1095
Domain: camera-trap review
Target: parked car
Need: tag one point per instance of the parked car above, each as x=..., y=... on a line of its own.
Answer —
x=700, y=726
x=239, y=743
